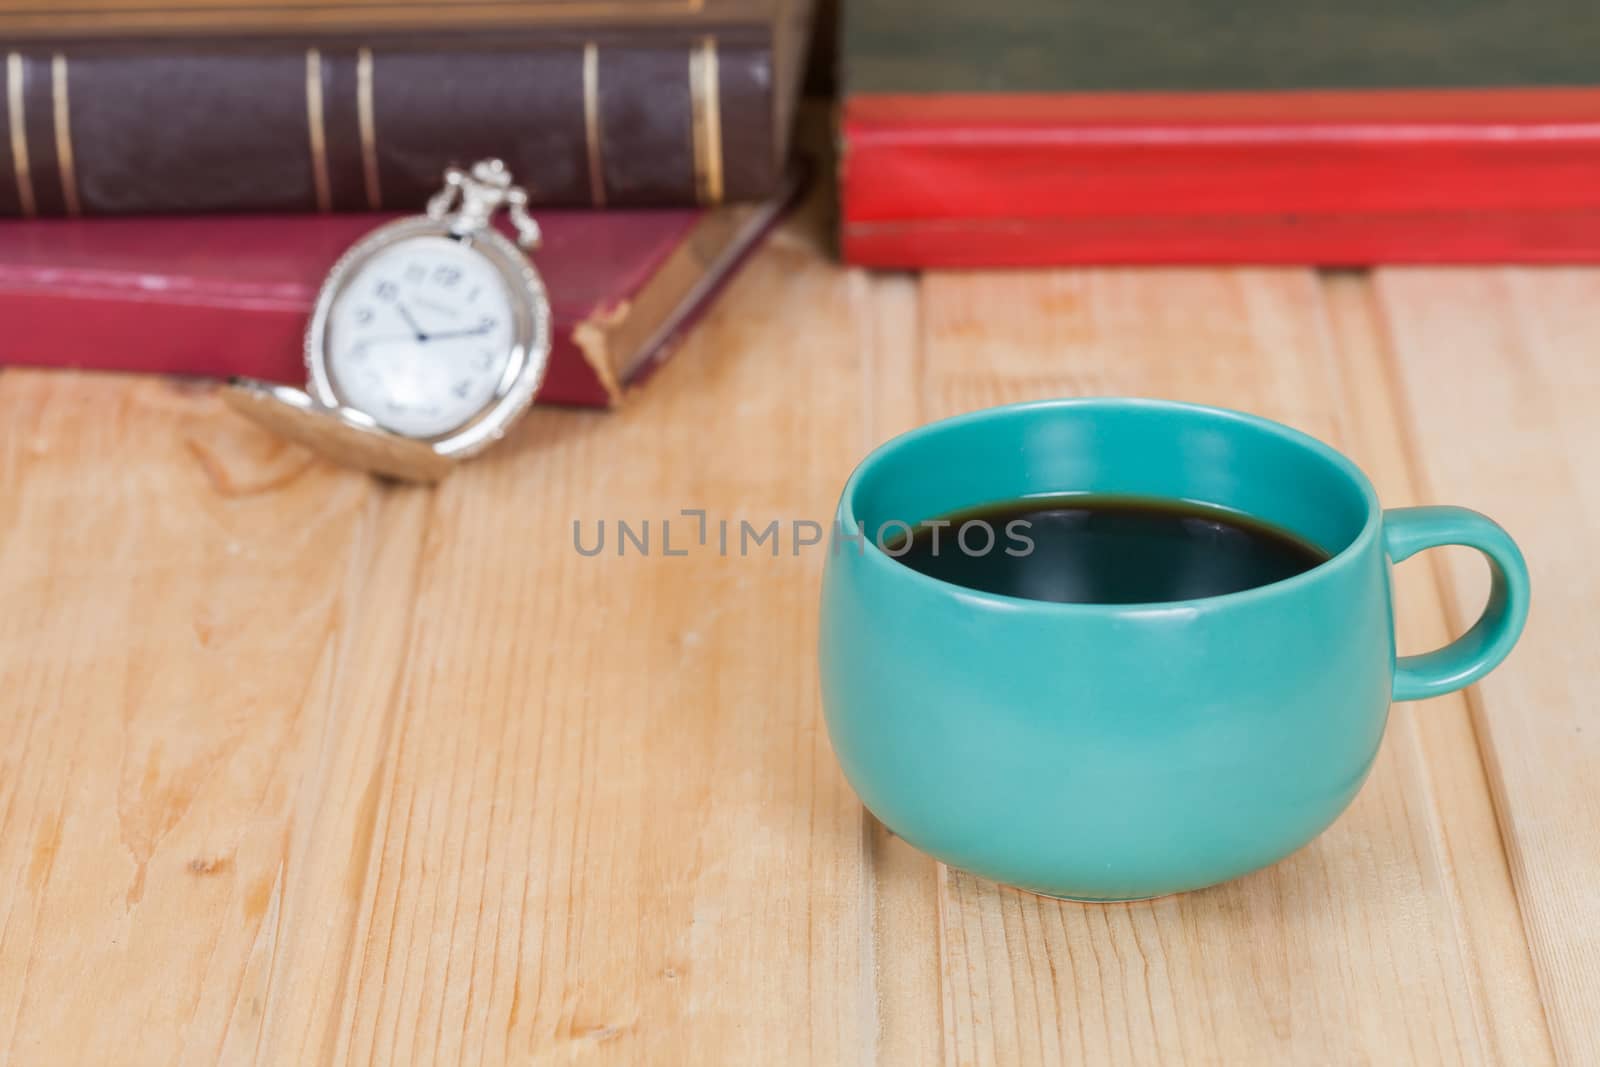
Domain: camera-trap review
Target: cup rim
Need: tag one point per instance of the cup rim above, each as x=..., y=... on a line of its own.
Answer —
x=1335, y=564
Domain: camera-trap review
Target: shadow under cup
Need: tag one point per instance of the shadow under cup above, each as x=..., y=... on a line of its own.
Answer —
x=1113, y=752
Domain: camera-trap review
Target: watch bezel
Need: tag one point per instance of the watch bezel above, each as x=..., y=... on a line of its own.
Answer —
x=530, y=346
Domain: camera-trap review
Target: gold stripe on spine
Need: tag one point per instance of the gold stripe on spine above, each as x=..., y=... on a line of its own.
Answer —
x=318, y=131
x=591, y=123
x=63, y=118
x=706, y=120
x=369, y=136
x=19, y=135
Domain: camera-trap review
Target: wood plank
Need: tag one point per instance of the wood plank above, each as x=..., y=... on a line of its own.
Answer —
x=1450, y=773
x=611, y=825
x=175, y=586
x=1351, y=949
x=316, y=928
x=904, y=884
x=1498, y=375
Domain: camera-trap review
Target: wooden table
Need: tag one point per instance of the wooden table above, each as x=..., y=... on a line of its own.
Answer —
x=297, y=768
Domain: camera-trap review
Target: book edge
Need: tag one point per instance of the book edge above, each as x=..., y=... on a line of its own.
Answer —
x=1330, y=239
x=622, y=340
x=910, y=114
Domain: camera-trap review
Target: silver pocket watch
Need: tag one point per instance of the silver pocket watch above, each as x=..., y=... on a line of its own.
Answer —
x=429, y=338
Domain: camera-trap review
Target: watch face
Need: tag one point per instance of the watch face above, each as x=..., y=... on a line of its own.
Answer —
x=421, y=336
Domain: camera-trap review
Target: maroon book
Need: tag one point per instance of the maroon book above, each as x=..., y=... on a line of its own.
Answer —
x=140, y=107
x=231, y=295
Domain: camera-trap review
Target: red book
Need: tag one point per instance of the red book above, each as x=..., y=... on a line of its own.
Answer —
x=1035, y=132
x=230, y=296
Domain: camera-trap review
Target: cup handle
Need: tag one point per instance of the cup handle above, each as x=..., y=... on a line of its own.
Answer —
x=1407, y=531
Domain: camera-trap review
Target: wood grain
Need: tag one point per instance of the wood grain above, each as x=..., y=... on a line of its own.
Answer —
x=1500, y=386
x=295, y=768
x=165, y=647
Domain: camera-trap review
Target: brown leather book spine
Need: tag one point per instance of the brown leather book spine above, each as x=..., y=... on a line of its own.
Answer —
x=342, y=125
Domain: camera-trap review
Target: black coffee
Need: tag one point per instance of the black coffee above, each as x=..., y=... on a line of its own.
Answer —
x=1103, y=550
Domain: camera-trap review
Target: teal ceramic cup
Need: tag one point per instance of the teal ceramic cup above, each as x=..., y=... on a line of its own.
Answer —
x=1115, y=752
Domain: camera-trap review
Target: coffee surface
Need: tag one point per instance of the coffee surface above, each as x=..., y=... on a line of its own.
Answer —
x=1103, y=550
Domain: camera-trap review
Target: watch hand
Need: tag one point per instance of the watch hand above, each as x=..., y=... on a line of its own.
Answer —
x=477, y=332
x=411, y=322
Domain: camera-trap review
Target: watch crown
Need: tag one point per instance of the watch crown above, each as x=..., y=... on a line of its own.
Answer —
x=492, y=172
x=482, y=191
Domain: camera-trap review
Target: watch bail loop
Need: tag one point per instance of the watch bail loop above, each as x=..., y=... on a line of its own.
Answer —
x=482, y=191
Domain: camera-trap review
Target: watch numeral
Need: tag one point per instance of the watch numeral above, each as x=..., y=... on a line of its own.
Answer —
x=387, y=291
x=363, y=316
x=472, y=295
x=446, y=276
x=462, y=388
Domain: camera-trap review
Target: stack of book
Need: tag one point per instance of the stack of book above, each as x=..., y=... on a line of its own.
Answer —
x=1320, y=131
x=181, y=171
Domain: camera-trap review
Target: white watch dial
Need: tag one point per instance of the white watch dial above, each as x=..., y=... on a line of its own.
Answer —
x=420, y=338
